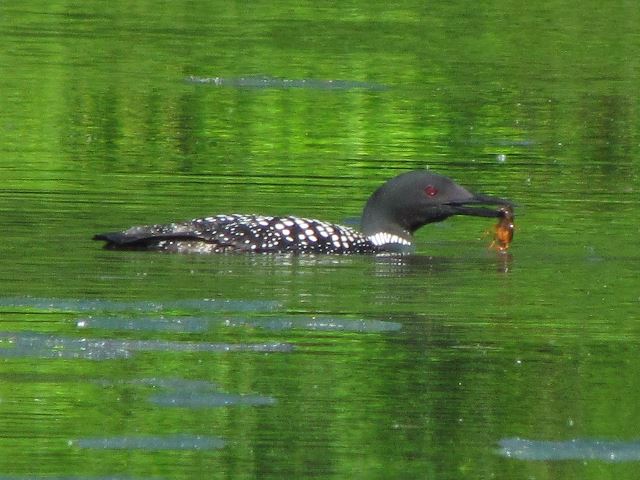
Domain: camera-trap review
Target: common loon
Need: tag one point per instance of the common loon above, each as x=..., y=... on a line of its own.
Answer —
x=390, y=217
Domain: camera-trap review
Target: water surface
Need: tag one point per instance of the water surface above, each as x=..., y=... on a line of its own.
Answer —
x=138, y=365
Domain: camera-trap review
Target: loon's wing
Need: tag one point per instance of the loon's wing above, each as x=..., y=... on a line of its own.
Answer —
x=241, y=233
x=210, y=234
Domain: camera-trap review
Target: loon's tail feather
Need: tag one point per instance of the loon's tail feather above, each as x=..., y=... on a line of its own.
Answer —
x=141, y=240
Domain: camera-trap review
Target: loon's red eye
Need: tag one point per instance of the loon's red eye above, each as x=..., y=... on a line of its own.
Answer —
x=431, y=191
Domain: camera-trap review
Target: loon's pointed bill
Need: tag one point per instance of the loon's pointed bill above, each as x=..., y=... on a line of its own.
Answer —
x=390, y=217
x=474, y=206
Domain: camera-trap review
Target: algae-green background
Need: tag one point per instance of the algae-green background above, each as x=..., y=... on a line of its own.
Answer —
x=539, y=103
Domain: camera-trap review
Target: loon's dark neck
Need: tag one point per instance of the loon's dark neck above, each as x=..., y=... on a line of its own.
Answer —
x=377, y=219
x=393, y=208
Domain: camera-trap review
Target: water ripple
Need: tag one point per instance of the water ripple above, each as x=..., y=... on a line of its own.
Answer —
x=171, y=442
x=209, y=399
x=284, y=83
x=93, y=305
x=201, y=324
x=39, y=345
x=576, y=449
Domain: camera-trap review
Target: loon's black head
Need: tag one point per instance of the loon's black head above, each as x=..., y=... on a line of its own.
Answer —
x=407, y=202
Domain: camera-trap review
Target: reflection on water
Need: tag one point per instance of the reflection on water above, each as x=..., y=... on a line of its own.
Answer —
x=395, y=265
x=48, y=477
x=271, y=82
x=186, y=393
x=208, y=400
x=99, y=130
x=318, y=323
x=168, y=442
x=576, y=449
x=165, y=383
x=40, y=345
x=148, y=324
x=202, y=324
x=90, y=305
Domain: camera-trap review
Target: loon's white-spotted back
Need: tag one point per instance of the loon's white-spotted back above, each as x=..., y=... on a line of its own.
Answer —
x=390, y=217
x=244, y=233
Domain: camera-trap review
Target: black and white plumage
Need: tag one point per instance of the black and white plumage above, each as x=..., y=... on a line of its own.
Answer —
x=390, y=217
x=246, y=233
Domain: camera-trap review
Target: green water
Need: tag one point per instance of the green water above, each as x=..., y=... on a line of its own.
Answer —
x=121, y=364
